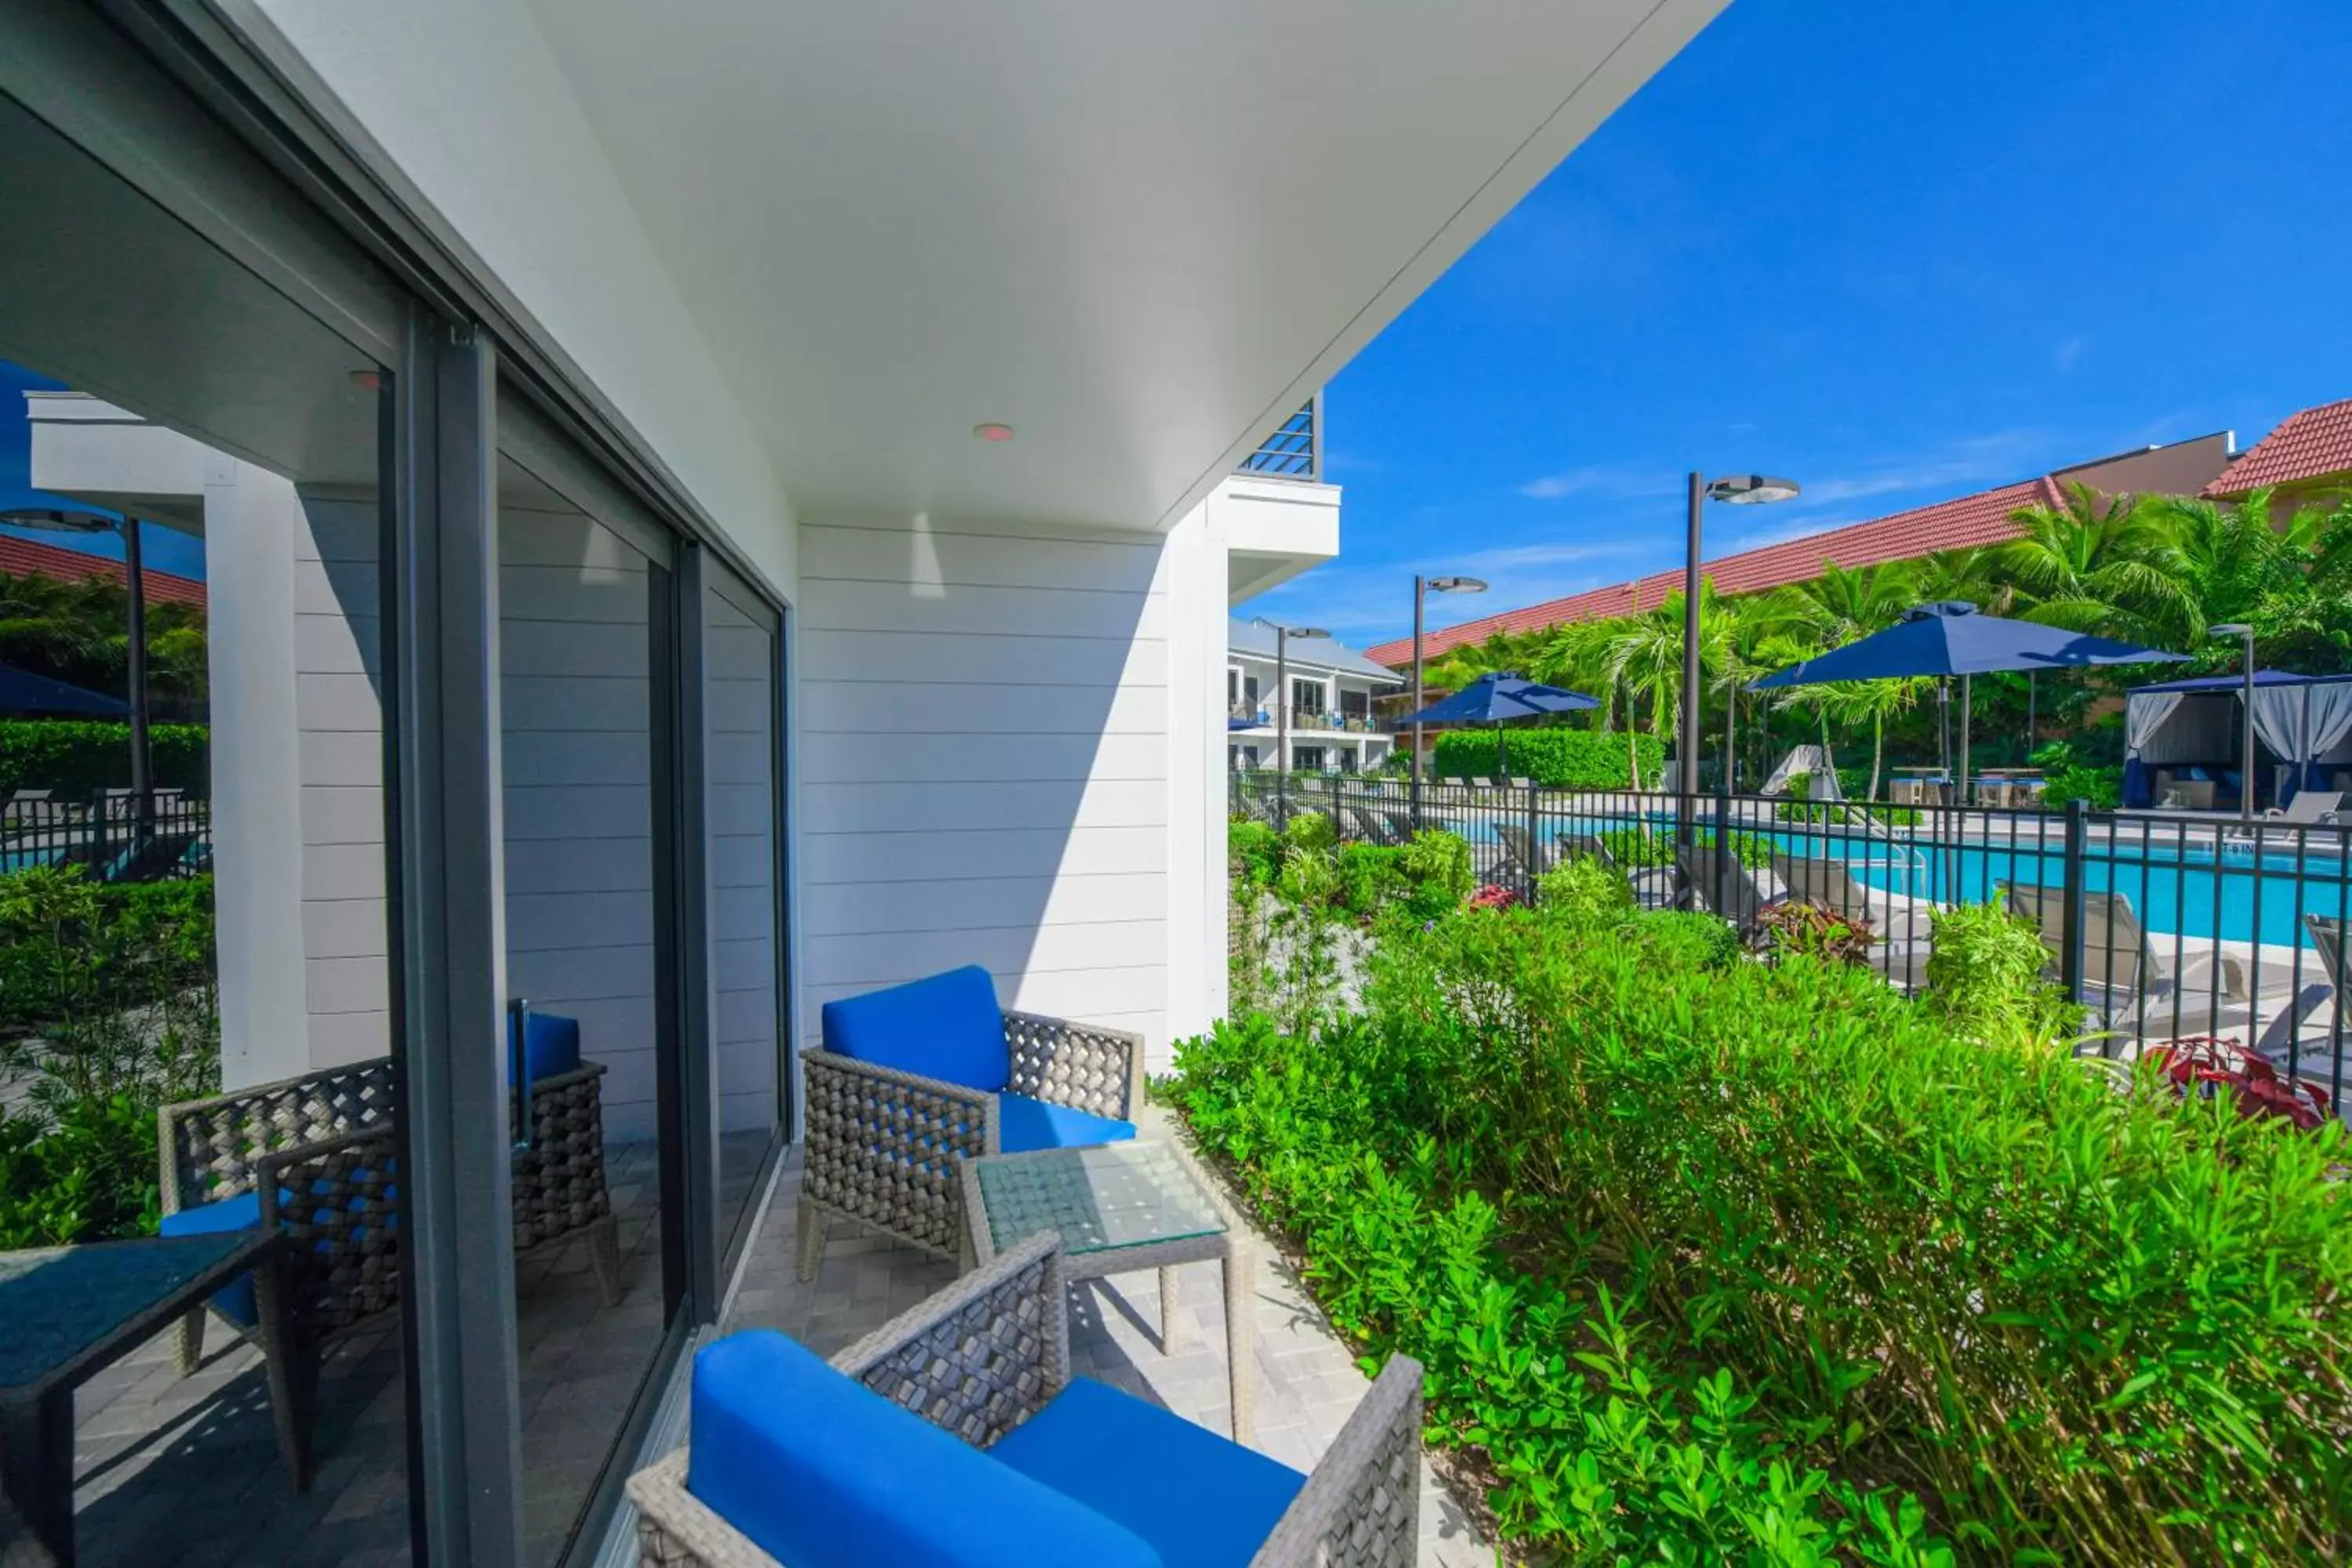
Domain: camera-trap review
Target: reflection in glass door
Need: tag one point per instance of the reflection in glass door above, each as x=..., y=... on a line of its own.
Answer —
x=239, y=1049
x=591, y=1034
x=740, y=770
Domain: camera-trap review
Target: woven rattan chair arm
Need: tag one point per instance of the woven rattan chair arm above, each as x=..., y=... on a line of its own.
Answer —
x=816, y=1059
x=584, y=1071
x=1361, y=1507
x=676, y=1530
x=1083, y=1066
x=982, y=1356
x=272, y=1171
x=214, y=1135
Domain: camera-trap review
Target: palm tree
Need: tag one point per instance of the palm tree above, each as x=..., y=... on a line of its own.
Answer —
x=1845, y=605
x=2099, y=564
x=1871, y=701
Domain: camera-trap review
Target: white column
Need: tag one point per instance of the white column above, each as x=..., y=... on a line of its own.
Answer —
x=1196, y=769
x=257, y=775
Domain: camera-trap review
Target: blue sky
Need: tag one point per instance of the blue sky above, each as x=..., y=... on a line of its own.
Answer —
x=1898, y=252
x=162, y=549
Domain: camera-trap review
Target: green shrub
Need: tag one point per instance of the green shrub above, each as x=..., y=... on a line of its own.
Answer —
x=1562, y=758
x=78, y=757
x=1309, y=830
x=1257, y=849
x=2102, y=787
x=1371, y=876
x=1582, y=883
x=2083, y=1327
x=1985, y=977
x=1439, y=871
x=87, y=1176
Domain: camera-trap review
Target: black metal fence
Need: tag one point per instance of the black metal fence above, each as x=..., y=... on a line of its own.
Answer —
x=108, y=834
x=2165, y=925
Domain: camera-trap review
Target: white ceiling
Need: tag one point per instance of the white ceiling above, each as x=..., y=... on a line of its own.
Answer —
x=1139, y=233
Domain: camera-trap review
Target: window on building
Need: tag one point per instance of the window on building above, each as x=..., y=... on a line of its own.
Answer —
x=1233, y=686
x=1356, y=704
x=1306, y=759
x=1305, y=696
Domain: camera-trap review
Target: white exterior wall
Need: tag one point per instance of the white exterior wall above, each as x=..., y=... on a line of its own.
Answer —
x=985, y=763
x=339, y=711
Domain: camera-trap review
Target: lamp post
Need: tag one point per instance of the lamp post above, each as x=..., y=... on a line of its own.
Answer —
x=1282, y=635
x=2246, y=634
x=75, y=520
x=1422, y=588
x=1737, y=490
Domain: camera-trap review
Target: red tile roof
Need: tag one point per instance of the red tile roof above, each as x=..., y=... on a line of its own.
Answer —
x=1980, y=519
x=26, y=557
x=2306, y=446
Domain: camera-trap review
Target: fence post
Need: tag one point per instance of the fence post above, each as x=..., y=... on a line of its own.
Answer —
x=1535, y=843
x=2070, y=952
x=1723, y=850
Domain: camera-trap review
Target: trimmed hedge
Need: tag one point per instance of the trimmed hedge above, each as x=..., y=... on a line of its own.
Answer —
x=2080, y=1326
x=1563, y=759
x=79, y=756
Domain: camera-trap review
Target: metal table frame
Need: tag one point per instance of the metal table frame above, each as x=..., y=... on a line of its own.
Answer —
x=1230, y=1248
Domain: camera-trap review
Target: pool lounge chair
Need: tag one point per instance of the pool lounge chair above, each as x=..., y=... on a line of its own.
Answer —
x=1521, y=853
x=2309, y=808
x=1739, y=899
x=1831, y=885
x=2118, y=958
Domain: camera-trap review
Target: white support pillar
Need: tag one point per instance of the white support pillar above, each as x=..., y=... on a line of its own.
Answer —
x=256, y=773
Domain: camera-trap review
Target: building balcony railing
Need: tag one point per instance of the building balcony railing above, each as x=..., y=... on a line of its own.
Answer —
x=1306, y=719
x=1295, y=448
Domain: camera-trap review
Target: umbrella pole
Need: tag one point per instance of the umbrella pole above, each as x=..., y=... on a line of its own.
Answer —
x=1502, y=754
x=1967, y=701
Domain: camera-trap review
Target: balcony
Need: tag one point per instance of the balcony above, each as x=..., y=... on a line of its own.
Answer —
x=1262, y=715
x=1294, y=450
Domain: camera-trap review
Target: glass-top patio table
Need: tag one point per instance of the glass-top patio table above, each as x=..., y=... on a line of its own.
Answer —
x=1119, y=1208
x=66, y=1312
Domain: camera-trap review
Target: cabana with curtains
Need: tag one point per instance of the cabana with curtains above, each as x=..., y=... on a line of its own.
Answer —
x=2178, y=733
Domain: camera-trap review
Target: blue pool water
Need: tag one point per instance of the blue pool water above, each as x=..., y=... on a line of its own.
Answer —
x=2176, y=889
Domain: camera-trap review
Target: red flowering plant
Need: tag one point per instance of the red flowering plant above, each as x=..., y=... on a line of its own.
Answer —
x=1491, y=897
x=2202, y=1064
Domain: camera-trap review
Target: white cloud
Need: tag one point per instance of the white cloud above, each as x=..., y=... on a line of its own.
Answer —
x=2068, y=350
x=1603, y=481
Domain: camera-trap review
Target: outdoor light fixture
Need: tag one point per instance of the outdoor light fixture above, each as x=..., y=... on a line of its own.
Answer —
x=77, y=520
x=1737, y=490
x=993, y=432
x=1282, y=635
x=2245, y=634
x=1750, y=490
x=1422, y=588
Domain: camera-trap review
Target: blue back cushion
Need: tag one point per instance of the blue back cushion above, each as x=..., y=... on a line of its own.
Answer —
x=551, y=1044
x=948, y=1026
x=819, y=1471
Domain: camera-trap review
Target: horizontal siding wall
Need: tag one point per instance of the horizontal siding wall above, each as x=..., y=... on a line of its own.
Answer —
x=338, y=718
x=982, y=765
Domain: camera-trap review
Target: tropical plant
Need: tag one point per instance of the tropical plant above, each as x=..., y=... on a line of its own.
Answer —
x=2099, y=563
x=78, y=632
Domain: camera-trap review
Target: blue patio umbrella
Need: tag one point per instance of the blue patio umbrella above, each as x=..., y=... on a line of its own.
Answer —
x=21, y=691
x=1954, y=637
x=1498, y=696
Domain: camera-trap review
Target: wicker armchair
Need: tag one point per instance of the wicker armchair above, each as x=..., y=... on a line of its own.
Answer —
x=882, y=1144
x=984, y=1355
x=319, y=1155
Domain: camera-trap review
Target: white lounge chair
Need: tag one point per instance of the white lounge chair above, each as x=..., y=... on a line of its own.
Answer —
x=2117, y=956
x=2309, y=808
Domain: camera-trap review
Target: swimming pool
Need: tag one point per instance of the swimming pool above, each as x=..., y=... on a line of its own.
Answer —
x=2176, y=889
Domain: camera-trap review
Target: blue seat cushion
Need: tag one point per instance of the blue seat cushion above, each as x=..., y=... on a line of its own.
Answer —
x=948, y=1026
x=551, y=1044
x=1199, y=1501
x=819, y=1471
x=235, y=1299
x=1023, y=1124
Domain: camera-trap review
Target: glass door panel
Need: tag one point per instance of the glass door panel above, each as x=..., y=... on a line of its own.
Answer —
x=592, y=1037
x=741, y=763
x=188, y=463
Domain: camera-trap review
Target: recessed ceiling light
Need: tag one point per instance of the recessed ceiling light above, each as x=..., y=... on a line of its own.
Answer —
x=368, y=380
x=993, y=432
